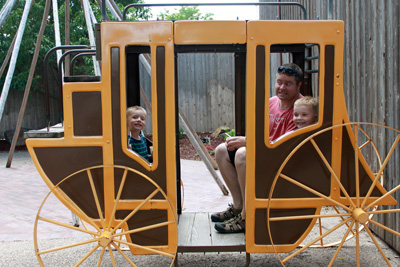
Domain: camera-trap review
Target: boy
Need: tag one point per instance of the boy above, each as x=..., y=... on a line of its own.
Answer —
x=305, y=111
x=136, y=121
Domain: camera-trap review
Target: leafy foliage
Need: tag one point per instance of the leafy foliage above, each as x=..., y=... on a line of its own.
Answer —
x=185, y=13
x=228, y=133
x=78, y=35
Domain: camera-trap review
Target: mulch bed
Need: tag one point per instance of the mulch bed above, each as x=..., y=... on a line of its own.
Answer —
x=187, y=150
x=5, y=147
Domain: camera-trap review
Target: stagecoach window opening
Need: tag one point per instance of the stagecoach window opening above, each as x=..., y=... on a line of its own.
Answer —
x=307, y=57
x=139, y=91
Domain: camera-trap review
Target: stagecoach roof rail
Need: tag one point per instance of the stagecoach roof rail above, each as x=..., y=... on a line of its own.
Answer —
x=60, y=62
x=46, y=76
x=72, y=63
x=103, y=12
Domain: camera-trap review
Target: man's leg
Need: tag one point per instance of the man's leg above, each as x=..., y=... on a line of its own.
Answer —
x=237, y=223
x=240, y=162
x=229, y=175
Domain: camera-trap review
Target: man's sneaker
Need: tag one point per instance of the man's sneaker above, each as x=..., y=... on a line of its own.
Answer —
x=222, y=216
x=234, y=225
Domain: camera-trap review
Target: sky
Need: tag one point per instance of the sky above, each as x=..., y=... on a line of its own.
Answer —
x=220, y=12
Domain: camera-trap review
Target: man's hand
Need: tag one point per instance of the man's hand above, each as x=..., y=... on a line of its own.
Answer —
x=235, y=142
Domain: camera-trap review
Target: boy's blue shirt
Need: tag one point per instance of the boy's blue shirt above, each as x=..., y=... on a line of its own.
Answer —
x=139, y=146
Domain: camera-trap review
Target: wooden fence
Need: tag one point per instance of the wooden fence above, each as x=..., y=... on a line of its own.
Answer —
x=371, y=71
x=35, y=113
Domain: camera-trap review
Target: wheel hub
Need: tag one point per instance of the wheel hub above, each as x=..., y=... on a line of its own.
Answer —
x=360, y=215
x=105, y=239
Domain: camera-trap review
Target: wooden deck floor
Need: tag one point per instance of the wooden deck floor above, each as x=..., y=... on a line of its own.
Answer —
x=196, y=233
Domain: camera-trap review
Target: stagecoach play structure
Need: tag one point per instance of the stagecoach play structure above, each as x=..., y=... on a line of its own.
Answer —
x=302, y=189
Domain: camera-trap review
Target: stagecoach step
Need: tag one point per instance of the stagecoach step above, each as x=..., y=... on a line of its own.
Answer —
x=54, y=131
x=196, y=233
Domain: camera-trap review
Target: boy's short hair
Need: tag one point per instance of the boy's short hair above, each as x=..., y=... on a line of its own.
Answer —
x=308, y=101
x=134, y=108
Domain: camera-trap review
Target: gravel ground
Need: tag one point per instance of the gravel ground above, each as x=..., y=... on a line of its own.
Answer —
x=21, y=253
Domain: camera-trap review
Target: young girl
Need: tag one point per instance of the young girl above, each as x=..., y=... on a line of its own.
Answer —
x=136, y=120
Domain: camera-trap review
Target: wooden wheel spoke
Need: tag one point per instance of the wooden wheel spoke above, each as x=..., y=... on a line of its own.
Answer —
x=85, y=217
x=68, y=226
x=135, y=210
x=320, y=230
x=369, y=141
x=144, y=228
x=69, y=246
x=112, y=255
x=341, y=243
x=332, y=173
x=123, y=254
x=365, y=144
x=357, y=245
x=96, y=198
x=384, y=211
x=103, y=249
x=88, y=254
x=315, y=240
x=385, y=162
x=146, y=248
x=356, y=166
x=121, y=186
x=341, y=217
x=385, y=227
x=93, y=234
x=309, y=189
x=305, y=217
x=377, y=246
x=382, y=197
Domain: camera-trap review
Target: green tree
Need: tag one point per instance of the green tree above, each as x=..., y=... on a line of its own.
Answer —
x=78, y=33
x=185, y=13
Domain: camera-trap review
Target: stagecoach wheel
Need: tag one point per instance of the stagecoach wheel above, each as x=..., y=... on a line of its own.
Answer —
x=357, y=199
x=104, y=240
x=370, y=152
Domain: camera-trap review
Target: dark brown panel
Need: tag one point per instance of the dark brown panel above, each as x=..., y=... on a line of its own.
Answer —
x=240, y=93
x=60, y=162
x=283, y=232
x=87, y=113
x=153, y=237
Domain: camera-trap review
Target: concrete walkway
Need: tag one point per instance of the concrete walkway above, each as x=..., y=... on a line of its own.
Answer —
x=23, y=190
